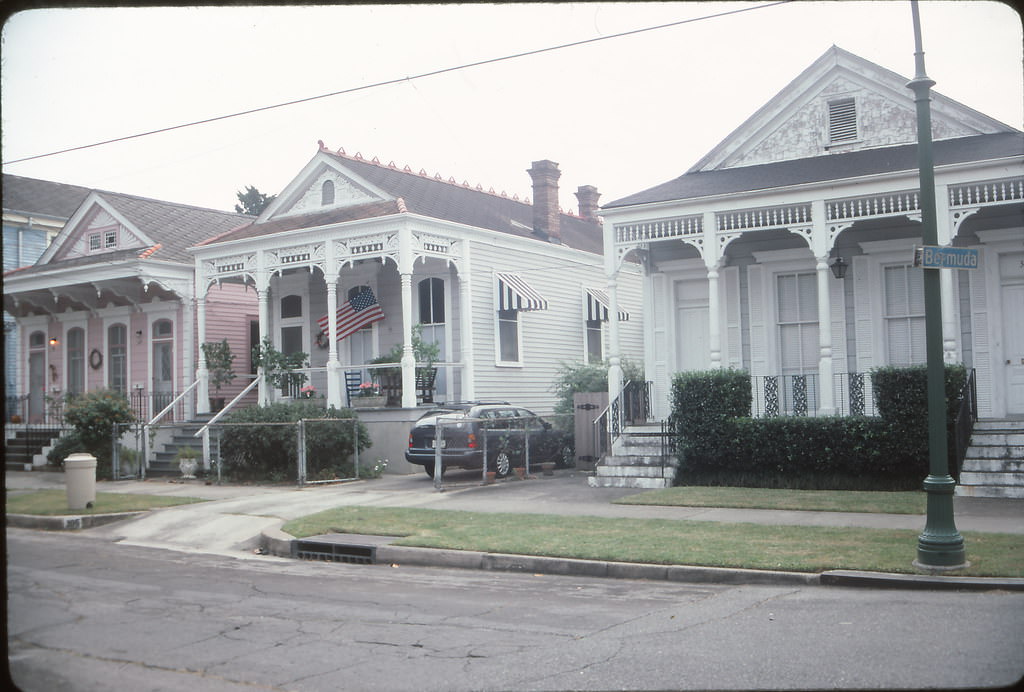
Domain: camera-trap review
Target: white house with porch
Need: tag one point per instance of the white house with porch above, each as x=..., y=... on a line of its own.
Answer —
x=508, y=290
x=742, y=252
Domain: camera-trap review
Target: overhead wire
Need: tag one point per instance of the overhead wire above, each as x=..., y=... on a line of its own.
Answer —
x=397, y=80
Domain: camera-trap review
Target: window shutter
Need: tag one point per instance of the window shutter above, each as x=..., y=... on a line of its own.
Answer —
x=842, y=121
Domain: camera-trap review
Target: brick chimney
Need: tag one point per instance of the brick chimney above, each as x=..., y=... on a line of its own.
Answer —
x=588, y=196
x=545, y=176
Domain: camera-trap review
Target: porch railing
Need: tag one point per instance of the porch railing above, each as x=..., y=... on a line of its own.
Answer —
x=631, y=406
x=800, y=395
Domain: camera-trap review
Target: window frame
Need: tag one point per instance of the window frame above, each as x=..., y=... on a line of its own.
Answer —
x=499, y=338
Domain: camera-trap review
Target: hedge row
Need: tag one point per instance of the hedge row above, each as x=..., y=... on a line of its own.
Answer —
x=718, y=443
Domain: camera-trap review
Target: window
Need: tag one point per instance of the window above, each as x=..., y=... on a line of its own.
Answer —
x=842, y=121
x=37, y=340
x=117, y=365
x=508, y=336
x=797, y=296
x=904, y=315
x=94, y=242
x=431, y=301
x=163, y=329
x=594, y=341
x=76, y=360
x=109, y=239
x=291, y=340
x=327, y=193
x=291, y=306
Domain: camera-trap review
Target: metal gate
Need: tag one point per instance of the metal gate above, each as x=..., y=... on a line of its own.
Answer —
x=587, y=406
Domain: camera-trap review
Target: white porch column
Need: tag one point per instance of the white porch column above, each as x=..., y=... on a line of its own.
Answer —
x=611, y=260
x=826, y=397
x=405, y=262
x=333, y=366
x=188, y=352
x=264, y=316
x=202, y=373
x=714, y=317
x=467, y=377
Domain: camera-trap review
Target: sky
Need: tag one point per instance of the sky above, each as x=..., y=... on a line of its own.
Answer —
x=623, y=114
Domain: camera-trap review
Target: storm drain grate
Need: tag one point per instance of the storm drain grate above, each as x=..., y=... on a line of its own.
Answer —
x=353, y=549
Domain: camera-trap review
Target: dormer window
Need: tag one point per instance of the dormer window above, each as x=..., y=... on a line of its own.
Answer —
x=94, y=242
x=109, y=239
x=842, y=121
x=327, y=193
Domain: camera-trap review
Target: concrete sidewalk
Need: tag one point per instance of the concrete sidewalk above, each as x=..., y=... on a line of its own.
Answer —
x=239, y=519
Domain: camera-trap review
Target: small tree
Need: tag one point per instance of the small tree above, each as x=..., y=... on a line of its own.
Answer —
x=253, y=202
x=219, y=359
x=584, y=377
x=93, y=415
x=282, y=370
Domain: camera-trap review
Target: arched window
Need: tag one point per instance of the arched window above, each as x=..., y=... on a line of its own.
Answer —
x=327, y=193
x=431, y=301
x=36, y=340
x=76, y=360
x=117, y=362
x=291, y=306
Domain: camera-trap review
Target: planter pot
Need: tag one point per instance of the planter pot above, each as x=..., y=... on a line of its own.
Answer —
x=491, y=475
x=520, y=472
x=216, y=404
x=188, y=468
x=370, y=401
x=549, y=468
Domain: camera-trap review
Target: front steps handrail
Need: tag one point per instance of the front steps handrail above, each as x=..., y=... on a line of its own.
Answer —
x=204, y=431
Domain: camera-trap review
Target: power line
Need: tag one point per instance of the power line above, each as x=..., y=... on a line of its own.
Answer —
x=398, y=80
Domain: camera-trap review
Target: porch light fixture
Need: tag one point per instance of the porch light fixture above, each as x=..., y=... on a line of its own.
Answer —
x=839, y=268
x=138, y=336
x=53, y=342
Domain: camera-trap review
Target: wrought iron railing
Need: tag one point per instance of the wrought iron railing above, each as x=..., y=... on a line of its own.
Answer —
x=800, y=395
x=963, y=426
x=47, y=410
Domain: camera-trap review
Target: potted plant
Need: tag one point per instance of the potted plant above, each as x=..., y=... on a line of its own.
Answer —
x=369, y=396
x=219, y=359
x=390, y=379
x=188, y=461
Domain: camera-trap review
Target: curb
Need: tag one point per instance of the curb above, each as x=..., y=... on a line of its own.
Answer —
x=66, y=522
x=885, y=580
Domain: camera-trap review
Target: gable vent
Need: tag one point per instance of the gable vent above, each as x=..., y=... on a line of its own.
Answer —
x=842, y=121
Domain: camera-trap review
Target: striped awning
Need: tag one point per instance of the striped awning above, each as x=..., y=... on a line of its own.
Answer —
x=515, y=294
x=598, y=306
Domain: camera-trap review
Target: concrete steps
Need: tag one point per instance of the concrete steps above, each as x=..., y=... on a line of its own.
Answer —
x=25, y=449
x=163, y=462
x=994, y=465
x=636, y=461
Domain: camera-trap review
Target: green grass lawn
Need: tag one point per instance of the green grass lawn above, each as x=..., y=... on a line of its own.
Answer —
x=913, y=502
x=658, y=541
x=55, y=502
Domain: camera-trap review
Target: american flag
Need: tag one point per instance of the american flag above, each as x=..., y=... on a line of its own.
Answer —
x=355, y=314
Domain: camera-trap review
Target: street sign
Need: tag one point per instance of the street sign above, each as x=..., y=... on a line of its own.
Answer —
x=938, y=257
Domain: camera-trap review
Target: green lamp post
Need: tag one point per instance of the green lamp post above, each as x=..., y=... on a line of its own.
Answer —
x=940, y=546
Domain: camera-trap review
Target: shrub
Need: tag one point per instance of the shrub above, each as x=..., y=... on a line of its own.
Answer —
x=269, y=452
x=702, y=402
x=67, y=444
x=587, y=377
x=93, y=415
x=902, y=397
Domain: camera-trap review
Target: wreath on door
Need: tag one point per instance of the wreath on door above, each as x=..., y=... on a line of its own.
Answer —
x=322, y=339
x=95, y=359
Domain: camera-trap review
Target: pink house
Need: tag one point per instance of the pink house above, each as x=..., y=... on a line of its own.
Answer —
x=110, y=304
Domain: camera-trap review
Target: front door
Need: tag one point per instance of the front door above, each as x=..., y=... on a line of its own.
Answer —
x=163, y=377
x=36, y=386
x=1013, y=345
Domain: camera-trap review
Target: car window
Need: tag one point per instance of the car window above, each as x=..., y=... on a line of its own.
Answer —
x=530, y=419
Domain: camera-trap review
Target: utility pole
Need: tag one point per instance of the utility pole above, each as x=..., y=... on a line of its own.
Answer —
x=940, y=546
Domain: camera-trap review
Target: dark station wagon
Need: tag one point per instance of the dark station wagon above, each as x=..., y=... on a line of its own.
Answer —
x=499, y=427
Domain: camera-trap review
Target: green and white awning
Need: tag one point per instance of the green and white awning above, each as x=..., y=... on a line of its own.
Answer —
x=514, y=293
x=598, y=305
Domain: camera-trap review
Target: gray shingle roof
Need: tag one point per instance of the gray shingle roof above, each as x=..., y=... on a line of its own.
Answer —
x=829, y=167
x=435, y=199
x=41, y=197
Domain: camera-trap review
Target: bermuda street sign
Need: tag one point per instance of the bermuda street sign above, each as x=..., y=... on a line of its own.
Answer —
x=938, y=257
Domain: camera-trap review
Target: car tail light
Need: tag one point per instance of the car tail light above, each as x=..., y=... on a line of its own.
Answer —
x=410, y=440
x=471, y=441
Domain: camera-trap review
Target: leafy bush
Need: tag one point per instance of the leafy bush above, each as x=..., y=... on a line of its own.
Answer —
x=588, y=377
x=69, y=443
x=902, y=397
x=93, y=415
x=702, y=402
x=269, y=452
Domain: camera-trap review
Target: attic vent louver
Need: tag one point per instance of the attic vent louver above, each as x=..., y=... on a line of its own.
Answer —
x=842, y=121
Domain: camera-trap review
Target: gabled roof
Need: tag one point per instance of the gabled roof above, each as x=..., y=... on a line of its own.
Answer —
x=384, y=190
x=31, y=196
x=792, y=124
x=167, y=228
x=823, y=168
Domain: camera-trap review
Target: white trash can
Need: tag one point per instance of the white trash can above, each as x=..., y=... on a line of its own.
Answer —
x=80, y=477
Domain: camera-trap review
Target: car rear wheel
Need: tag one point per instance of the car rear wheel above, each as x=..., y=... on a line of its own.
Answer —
x=502, y=463
x=429, y=468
